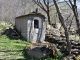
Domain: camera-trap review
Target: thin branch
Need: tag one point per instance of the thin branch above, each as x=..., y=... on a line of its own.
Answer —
x=67, y=17
x=68, y=4
x=71, y=23
x=45, y=3
x=40, y=5
x=75, y=2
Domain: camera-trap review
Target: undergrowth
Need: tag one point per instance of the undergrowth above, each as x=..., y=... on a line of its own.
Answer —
x=11, y=49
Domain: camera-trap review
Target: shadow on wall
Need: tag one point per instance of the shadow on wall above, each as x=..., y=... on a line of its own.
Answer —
x=13, y=34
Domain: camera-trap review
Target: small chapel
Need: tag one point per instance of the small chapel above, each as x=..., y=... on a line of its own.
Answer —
x=31, y=26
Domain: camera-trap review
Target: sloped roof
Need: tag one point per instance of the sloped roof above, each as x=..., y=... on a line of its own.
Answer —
x=32, y=13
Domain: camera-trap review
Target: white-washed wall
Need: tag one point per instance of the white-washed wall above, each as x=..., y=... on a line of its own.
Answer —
x=21, y=25
x=25, y=25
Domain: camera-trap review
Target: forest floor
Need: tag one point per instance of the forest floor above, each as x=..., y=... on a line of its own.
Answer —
x=13, y=49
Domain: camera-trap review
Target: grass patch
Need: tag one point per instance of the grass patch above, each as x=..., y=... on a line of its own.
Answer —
x=11, y=49
x=14, y=49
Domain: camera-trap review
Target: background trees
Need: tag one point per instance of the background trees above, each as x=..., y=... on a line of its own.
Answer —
x=74, y=9
x=64, y=26
x=45, y=6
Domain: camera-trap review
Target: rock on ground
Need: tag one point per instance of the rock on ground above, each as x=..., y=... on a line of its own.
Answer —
x=39, y=50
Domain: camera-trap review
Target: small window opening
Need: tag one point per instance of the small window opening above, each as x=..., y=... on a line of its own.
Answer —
x=36, y=24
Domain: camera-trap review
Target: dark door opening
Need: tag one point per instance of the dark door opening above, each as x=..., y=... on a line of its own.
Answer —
x=36, y=24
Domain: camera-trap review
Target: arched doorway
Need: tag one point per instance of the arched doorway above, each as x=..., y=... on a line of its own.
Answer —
x=36, y=23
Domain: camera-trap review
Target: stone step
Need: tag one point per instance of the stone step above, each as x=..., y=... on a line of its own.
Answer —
x=75, y=51
x=77, y=47
x=75, y=43
x=61, y=42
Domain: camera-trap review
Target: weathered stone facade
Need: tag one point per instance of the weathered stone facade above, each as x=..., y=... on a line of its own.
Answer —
x=32, y=27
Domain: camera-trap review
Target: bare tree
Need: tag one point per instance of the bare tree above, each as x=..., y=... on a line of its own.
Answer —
x=45, y=6
x=64, y=26
x=73, y=6
x=74, y=9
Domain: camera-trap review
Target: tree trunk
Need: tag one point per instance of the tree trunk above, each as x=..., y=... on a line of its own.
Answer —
x=49, y=21
x=74, y=9
x=76, y=16
x=48, y=15
x=64, y=26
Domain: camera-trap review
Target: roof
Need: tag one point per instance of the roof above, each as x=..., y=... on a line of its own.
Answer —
x=32, y=13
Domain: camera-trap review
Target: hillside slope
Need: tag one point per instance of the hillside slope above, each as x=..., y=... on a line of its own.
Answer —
x=9, y=9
